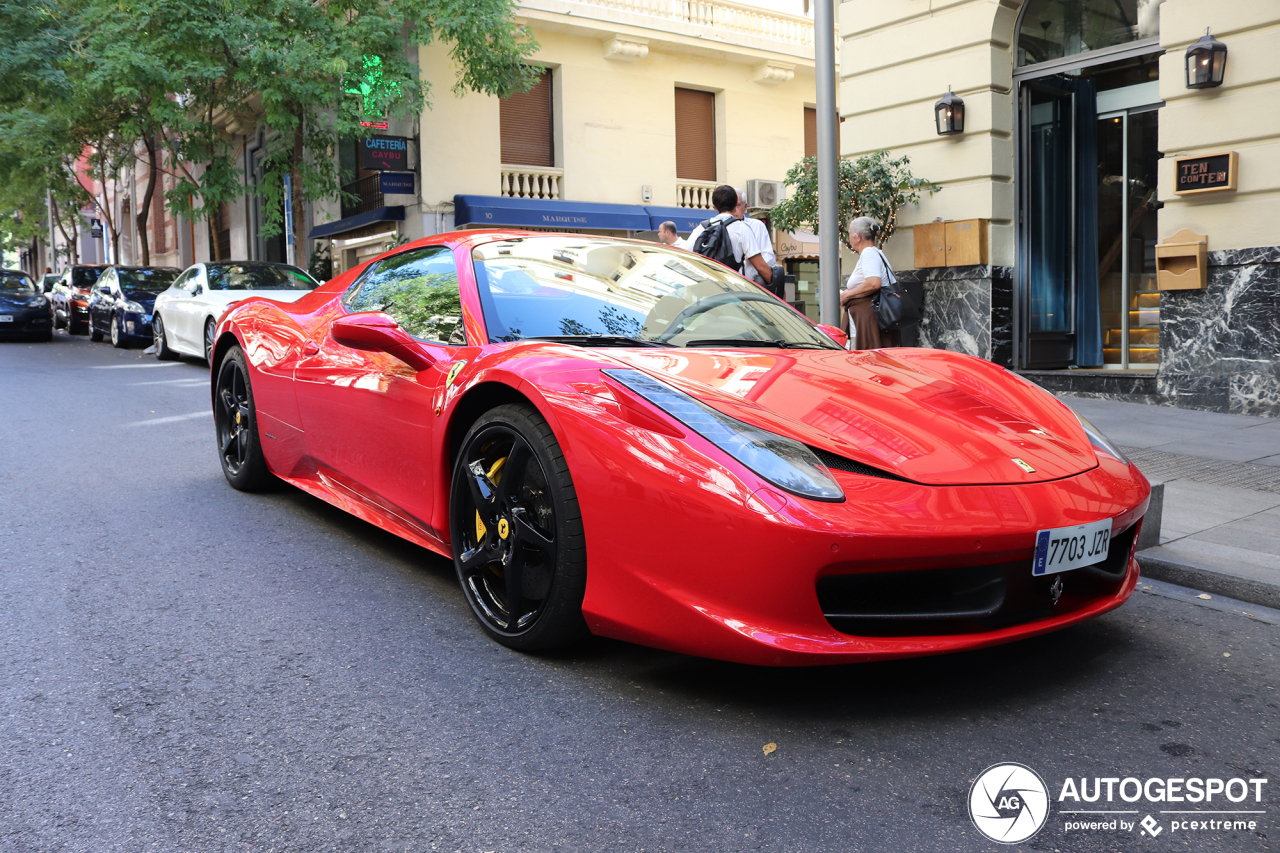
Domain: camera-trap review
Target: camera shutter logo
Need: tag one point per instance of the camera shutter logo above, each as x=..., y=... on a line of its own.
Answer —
x=1009, y=803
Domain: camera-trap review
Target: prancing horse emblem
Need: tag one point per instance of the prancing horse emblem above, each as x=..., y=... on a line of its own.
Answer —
x=1023, y=465
x=1055, y=591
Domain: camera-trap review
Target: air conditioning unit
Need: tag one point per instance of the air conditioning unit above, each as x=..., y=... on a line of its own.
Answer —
x=764, y=193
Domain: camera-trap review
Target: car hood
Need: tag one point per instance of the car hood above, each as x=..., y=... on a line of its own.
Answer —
x=143, y=297
x=929, y=416
x=19, y=300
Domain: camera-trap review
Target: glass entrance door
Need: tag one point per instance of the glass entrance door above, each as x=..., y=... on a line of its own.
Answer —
x=1127, y=204
x=1048, y=116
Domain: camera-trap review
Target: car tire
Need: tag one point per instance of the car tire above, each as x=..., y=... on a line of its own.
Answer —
x=117, y=334
x=163, y=352
x=94, y=334
x=236, y=425
x=518, y=544
x=209, y=331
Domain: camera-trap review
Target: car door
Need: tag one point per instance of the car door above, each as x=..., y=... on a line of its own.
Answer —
x=186, y=310
x=369, y=417
x=169, y=307
x=101, y=302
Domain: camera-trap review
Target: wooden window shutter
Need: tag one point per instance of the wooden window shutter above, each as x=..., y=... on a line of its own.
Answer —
x=695, y=135
x=526, y=121
x=810, y=132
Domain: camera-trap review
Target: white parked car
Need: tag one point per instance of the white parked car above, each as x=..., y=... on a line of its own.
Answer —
x=186, y=314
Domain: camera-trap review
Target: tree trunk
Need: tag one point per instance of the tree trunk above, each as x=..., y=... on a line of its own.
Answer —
x=144, y=209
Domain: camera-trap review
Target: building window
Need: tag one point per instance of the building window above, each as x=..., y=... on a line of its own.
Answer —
x=527, y=126
x=810, y=132
x=695, y=135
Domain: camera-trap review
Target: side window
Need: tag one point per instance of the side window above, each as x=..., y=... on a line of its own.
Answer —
x=419, y=289
x=107, y=280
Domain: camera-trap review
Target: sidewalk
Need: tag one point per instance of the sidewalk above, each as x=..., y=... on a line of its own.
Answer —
x=1220, y=530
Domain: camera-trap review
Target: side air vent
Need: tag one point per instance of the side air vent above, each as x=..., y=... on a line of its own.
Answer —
x=839, y=463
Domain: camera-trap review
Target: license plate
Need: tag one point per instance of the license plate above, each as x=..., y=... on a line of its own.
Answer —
x=1065, y=548
x=6, y=318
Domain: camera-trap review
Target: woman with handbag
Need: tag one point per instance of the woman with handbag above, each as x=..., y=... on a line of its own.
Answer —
x=863, y=285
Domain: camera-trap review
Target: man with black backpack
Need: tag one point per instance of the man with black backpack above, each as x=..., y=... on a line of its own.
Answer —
x=726, y=239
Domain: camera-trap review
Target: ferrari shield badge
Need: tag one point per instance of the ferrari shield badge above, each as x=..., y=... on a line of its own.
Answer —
x=1016, y=461
x=454, y=370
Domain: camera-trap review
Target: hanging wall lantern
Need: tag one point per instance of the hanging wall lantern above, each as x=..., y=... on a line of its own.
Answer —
x=949, y=114
x=1206, y=63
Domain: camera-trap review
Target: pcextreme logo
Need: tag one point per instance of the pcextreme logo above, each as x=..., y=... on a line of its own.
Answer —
x=1009, y=803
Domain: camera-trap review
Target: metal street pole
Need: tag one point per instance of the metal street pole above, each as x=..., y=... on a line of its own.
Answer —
x=824, y=62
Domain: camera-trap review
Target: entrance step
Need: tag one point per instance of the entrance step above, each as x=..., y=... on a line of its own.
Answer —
x=1141, y=336
x=1137, y=355
x=1146, y=300
x=1144, y=317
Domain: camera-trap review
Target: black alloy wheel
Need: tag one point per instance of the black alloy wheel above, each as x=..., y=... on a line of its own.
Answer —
x=518, y=543
x=161, y=343
x=236, y=425
x=94, y=334
x=209, y=331
x=117, y=334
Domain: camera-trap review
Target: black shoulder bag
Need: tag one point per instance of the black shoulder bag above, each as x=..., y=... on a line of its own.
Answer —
x=892, y=306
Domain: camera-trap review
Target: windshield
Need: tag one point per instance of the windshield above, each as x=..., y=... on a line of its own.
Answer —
x=259, y=277
x=571, y=286
x=84, y=277
x=13, y=280
x=145, y=279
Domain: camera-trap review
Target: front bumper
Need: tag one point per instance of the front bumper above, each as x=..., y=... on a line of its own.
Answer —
x=137, y=326
x=26, y=321
x=689, y=554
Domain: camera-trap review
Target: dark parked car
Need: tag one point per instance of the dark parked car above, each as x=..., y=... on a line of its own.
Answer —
x=24, y=310
x=122, y=302
x=71, y=297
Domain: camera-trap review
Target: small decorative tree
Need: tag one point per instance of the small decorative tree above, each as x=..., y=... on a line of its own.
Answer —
x=873, y=185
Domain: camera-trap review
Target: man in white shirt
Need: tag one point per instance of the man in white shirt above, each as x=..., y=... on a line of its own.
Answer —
x=668, y=236
x=741, y=238
x=761, y=244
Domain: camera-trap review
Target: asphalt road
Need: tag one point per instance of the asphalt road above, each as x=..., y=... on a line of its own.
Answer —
x=187, y=668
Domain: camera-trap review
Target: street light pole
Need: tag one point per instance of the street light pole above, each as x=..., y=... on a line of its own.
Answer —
x=824, y=67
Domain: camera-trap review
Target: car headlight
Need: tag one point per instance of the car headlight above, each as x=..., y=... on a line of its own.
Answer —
x=135, y=308
x=786, y=463
x=1098, y=440
x=36, y=302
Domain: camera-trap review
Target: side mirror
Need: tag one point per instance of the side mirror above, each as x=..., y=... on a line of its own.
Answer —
x=835, y=334
x=375, y=331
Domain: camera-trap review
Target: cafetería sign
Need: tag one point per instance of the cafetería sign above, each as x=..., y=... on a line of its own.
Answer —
x=385, y=153
x=1205, y=173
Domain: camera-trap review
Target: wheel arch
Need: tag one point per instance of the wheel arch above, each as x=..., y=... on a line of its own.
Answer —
x=474, y=402
x=220, y=347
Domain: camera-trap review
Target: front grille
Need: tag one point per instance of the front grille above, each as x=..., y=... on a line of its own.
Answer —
x=964, y=599
x=839, y=463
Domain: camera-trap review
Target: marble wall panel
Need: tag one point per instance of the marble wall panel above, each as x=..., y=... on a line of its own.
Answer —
x=1220, y=347
x=958, y=305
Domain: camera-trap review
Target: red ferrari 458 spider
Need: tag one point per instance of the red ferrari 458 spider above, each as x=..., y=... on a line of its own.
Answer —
x=615, y=437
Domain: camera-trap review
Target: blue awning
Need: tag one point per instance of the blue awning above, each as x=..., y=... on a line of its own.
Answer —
x=685, y=218
x=351, y=223
x=545, y=213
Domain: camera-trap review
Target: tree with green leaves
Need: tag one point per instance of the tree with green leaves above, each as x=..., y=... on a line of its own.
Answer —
x=179, y=83
x=873, y=185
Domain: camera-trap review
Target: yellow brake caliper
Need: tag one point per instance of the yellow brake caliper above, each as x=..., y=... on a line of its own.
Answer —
x=495, y=473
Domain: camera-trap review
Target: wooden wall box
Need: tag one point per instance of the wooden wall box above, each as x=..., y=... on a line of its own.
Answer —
x=1182, y=262
x=930, y=248
x=966, y=242
x=959, y=243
